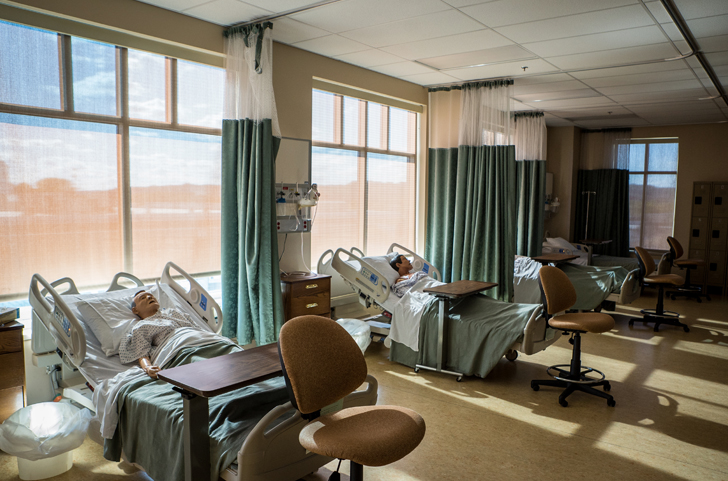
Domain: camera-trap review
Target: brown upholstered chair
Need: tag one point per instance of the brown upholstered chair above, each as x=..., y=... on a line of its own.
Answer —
x=658, y=315
x=687, y=289
x=558, y=295
x=321, y=365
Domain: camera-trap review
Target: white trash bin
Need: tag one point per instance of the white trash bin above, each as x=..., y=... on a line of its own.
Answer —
x=359, y=330
x=43, y=437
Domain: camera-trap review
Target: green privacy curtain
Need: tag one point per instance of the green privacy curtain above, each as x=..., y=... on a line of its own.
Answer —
x=252, y=303
x=471, y=216
x=530, y=142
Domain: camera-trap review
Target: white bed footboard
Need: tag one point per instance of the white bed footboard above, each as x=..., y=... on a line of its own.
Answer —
x=631, y=288
x=197, y=297
x=537, y=336
x=266, y=449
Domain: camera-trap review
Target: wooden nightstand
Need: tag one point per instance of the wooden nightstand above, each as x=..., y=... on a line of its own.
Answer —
x=12, y=369
x=304, y=295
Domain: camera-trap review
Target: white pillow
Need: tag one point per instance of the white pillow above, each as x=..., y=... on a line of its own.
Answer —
x=381, y=263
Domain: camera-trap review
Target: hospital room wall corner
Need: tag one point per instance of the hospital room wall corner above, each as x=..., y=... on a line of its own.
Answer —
x=562, y=160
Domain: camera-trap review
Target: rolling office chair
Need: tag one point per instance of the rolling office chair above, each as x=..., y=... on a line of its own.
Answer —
x=558, y=295
x=321, y=364
x=658, y=315
x=688, y=289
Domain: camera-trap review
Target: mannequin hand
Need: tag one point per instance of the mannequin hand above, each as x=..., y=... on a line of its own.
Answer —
x=152, y=371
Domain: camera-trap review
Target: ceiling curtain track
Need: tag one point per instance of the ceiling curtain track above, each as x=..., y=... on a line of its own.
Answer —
x=530, y=142
x=253, y=306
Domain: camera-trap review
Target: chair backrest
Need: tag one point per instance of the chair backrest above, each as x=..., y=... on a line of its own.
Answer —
x=647, y=263
x=557, y=291
x=675, y=248
x=321, y=362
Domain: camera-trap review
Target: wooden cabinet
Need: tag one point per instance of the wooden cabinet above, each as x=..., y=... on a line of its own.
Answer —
x=303, y=295
x=12, y=369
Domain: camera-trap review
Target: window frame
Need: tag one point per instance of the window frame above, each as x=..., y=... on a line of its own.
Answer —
x=645, y=172
x=121, y=120
x=364, y=149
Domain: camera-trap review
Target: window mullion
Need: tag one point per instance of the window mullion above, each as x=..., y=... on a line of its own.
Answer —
x=66, y=73
x=172, y=92
x=124, y=161
x=644, y=195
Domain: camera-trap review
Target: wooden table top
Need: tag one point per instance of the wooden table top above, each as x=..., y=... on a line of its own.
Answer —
x=595, y=242
x=222, y=374
x=460, y=288
x=300, y=278
x=554, y=258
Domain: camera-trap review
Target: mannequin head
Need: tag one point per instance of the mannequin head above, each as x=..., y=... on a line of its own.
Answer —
x=401, y=264
x=144, y=305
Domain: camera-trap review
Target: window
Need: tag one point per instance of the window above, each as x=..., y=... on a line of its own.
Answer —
x=363, y=160
x=652, y=187
x=109, y=161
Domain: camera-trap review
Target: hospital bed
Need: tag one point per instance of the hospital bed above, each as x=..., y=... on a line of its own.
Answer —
x=596, y=286
x=365, y=275
x=269, y=450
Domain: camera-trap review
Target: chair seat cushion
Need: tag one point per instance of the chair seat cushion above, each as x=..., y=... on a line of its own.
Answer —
x=690, y=263
x=583, y=321
x=368, y=435
x=670, y=279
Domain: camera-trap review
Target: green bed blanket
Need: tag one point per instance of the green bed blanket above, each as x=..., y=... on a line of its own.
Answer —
x=150, y=419
x=629, y=263
x=479, y=330
x=593, y=284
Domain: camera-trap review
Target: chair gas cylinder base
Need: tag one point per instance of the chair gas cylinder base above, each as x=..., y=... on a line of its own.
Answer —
x=688, y=289
x=558, y=295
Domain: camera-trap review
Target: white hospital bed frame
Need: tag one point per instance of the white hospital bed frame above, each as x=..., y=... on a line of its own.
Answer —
x=269, y=452
x=373, y=289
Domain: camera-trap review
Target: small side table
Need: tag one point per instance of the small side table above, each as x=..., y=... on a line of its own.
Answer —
x=306, y=295
x=454, y=290
x=547, y=259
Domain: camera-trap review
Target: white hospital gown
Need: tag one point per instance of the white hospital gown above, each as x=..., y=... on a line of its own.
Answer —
x=148, y=335
x=401, y=287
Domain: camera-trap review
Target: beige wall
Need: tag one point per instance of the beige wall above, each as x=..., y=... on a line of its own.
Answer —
x=562, y=160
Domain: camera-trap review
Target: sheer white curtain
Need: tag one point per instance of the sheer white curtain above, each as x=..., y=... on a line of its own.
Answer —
x=530, y=137
x=249, y=76
x=605, y=149
x=485, y=117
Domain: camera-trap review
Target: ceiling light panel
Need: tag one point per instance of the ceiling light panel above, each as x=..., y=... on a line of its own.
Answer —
x=654, y=97
x=434, y=78
x=600, y=41
x=369, y=58
x=571, y=103
x=614, y=57
x=415, y=28
x=510, y=69
x=564, y=94
x=701, y=8
x=709, y=27
x=226, y=12
x=510, y=12
x=520, y=89
x=478, y=57
x=659, y=12
x=331, y=46
x=651, y=87
x=286, y=30
x=402, y=68
x=452, y=44
x=175, y=5
x=576, y=25
x=642, y=78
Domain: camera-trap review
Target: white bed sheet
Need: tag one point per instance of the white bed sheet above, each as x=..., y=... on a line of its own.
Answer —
x=408, y=311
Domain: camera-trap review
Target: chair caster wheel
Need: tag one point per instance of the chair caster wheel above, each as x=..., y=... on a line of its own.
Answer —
x=563, y=402
x=686, y=329
x=512, y=355
x=700, y=301
x=656, y=329
x=630, y=323
x=417, y=369
x=672, y=297
x=535, y=386
x=607, y=387
x=707, y=297
x=571, y=341
x=611, y=403
x=459, y=378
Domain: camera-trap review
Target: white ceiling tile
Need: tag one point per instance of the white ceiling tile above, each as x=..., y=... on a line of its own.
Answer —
x=511, y=69
x=599, y=41
x=709, y=27
x=415, y=28
x=643, y=78
x=592, y=112
x=465, y=3
x=651, y=87
x=175, y=5
x=369, y=58
x=614, y=57
x=520, y=89
x=331, y=45
x=682, y=119
x=672, y=31
x=434, y=78
x=563, y=94
x=634, y=69
x=226, y=12
x=402, y=68
x=517, y=106
x=571, y=103
x=478, y=57
x=719, y=43
x=717, y=59
x=659, y=108
x=510, y=12
x=543, y=79
x=682, y=46
x=354, y=14
x=552, y=121
x=575, y=25
x=701, y=8
x=453, y=44
x=659, y=12
x=287, y=30
x=653, y=97
x=607, y=123
x=279, y=6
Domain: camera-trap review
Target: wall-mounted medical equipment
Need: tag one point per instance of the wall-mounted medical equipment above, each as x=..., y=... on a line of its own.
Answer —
x=551, y=206
x=294, y=206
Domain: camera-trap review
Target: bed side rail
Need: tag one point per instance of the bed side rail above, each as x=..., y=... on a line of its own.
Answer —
x=200, y=300
x=58, y=319
x=537, y=336
x=418, y=263
x=631, y=288
x=368, y=281
x=115, y=286
x=341, y=292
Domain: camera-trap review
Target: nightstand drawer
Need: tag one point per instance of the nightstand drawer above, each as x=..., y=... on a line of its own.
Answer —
x=10, y=401
x=310, y=288
x=12, y=373
x=11, y=341
x=318, y=304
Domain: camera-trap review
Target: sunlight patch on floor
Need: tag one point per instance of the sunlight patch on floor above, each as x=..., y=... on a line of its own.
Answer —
x=716, y=349
x=712, y=392
x=652, y=341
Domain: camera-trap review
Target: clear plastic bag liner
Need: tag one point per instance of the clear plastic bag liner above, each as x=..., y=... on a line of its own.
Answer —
x=359, y=330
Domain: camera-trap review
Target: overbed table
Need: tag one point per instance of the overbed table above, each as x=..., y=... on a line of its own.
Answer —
x=593, y=243
x=454, y=290
x=547, y=259
x=204, y=379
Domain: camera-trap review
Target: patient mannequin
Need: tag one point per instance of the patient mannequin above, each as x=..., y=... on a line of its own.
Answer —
x=149, y=334
x=403, y=266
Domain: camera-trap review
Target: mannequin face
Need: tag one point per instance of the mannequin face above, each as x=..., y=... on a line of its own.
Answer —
x=404, y=266
x=146, y=305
